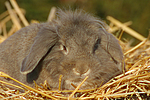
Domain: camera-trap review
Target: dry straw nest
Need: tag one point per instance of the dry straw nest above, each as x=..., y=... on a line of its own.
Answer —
x=134, y=83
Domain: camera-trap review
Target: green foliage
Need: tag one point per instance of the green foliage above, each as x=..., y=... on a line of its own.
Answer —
x=137, y=11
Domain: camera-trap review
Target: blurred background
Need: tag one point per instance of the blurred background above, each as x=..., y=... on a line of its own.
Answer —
x=137, y=11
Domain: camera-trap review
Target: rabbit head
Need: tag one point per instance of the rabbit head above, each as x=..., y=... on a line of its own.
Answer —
x=76, y=45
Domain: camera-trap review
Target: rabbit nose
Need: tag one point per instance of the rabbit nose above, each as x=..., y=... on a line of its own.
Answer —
x=81, y=70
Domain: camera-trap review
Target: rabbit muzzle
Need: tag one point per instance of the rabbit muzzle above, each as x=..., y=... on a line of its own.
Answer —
x=81, y=69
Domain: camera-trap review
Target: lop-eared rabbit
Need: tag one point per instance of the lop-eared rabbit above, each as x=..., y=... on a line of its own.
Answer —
x=74, y=45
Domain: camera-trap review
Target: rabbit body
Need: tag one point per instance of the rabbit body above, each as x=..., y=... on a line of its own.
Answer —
x=75, y=45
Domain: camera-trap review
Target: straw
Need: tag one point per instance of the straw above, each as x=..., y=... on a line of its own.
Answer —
x=13, y=15
x=15, y=5
x=132, y=84
x=126, y=29
x=51, y=15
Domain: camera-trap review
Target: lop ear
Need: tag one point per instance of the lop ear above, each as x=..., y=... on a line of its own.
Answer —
x=45, y=39
x=114, y=48
x=115, y=51
x=111, y=45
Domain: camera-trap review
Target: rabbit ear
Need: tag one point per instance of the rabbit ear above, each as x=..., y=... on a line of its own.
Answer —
x=111, y=45
x=115, y=51
x=45, y=39
x=114, y=48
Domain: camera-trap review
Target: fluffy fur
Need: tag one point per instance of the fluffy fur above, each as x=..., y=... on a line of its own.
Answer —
x=74, y=45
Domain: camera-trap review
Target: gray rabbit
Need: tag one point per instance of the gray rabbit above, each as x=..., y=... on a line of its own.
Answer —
x=74, y=45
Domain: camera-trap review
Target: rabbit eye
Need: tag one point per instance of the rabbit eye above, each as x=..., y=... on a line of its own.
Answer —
x=64, y=49
x=96, y=45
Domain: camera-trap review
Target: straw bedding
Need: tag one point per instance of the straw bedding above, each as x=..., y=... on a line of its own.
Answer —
x=134, y=83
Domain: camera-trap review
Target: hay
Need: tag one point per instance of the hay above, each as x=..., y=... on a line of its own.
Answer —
x=134, y=83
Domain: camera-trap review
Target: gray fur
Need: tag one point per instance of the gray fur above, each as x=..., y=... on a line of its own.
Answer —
x=74, y=45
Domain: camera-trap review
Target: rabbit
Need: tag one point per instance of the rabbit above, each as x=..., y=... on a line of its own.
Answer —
x=74, y=45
